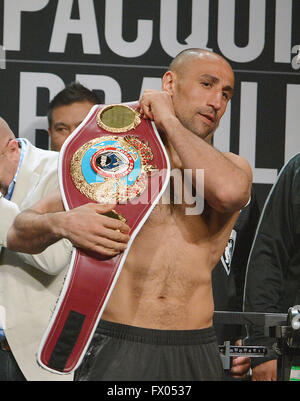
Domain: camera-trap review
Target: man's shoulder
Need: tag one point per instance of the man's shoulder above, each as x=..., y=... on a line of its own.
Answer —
x=39, y=167
x=289, y=173
x=40, y=158
x=43, y=153
x=292, y=165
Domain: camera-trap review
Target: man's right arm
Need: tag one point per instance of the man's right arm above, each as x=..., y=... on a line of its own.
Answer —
x=86, y=227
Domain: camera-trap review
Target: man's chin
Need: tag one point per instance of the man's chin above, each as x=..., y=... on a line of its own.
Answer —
x=202, y=130
x=205, y=134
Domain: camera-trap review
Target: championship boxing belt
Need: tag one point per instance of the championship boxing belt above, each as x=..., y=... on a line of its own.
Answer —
x=116, y=157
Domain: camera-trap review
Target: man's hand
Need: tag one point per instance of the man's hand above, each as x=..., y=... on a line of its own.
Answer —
x=88, y=228
x=157, y=106
x=240, y=365
x=266, y=371
x=228, y=177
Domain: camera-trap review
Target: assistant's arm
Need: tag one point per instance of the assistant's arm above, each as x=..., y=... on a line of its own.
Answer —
x=86, y=227
x=51, y=261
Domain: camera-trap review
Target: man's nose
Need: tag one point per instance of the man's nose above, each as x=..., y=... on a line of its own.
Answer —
x=215, y=100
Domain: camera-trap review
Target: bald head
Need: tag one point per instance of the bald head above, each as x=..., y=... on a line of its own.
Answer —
x=5, y=132
x=183, y=59
x=200, y=84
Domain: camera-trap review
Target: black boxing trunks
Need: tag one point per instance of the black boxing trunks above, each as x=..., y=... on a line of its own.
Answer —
x=125, y=353
x=116, y=157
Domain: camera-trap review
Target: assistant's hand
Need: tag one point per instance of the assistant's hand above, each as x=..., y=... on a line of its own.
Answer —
x=240, y=365
x=88, y=228
x=266, y=371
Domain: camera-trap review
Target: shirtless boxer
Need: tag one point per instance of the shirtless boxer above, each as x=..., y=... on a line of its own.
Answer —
x=157, y=324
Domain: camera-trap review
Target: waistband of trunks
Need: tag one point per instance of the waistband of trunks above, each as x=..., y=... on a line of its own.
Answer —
x=154, y=336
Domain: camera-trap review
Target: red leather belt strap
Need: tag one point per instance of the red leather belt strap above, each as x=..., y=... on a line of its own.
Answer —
x=91, y=278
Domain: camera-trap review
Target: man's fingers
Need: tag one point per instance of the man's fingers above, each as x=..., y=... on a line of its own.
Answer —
x=101, y=250
x=115, y=235
x=146, y=112
x=115, y=224
x=99, y=244
x=112, y=245
x=108, y=220
x=101, y=209
x=144, y=105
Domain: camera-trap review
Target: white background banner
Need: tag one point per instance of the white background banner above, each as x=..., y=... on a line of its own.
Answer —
x=121, y=47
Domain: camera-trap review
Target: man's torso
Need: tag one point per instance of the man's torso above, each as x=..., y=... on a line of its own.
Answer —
x=166, y=280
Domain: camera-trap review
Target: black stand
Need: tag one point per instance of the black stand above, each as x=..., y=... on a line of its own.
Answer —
x=284, y=328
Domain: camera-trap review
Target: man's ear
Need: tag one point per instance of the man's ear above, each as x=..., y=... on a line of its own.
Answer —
x=168, y=82
x=13, y=150
x=13, y=145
